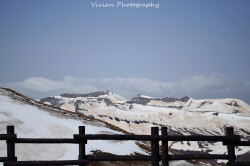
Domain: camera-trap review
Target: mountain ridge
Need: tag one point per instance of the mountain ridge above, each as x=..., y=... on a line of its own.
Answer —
x=185, y=103
x=143, y=99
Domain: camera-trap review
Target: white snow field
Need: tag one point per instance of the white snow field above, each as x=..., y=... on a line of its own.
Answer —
x=32, y=120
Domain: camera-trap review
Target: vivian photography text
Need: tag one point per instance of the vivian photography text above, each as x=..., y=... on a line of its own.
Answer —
x=121, y=4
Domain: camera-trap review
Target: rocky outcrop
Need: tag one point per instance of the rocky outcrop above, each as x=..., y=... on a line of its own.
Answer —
x=94, y=94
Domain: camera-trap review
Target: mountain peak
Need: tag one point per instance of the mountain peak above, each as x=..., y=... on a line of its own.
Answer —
x=92, y=94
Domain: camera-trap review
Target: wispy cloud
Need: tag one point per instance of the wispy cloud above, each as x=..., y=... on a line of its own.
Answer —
x=197, y=86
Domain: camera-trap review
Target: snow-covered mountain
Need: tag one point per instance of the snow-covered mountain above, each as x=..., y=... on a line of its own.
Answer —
x=36, y=120
x=185, y=116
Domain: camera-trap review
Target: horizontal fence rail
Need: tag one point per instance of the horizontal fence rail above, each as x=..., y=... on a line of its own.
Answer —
x=157, y=138
x=45, y=141
x=229, y=140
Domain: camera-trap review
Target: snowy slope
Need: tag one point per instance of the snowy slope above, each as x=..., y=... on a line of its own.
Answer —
x=185, y=116
x=34, y=120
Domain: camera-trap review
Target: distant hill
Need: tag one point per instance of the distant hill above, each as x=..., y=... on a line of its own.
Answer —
x=183, y=116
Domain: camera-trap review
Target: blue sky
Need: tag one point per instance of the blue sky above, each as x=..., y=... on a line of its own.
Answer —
x=199, y=48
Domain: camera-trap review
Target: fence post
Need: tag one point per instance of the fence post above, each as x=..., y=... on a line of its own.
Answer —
x=165, y=156
x=155, y=147
x=11, y=145
x=82, y=150
x=230, y=146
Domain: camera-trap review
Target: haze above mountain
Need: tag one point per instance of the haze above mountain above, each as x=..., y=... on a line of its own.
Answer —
x=196, y=86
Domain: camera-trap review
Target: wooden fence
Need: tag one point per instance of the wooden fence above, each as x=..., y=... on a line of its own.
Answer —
x=230, y=140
